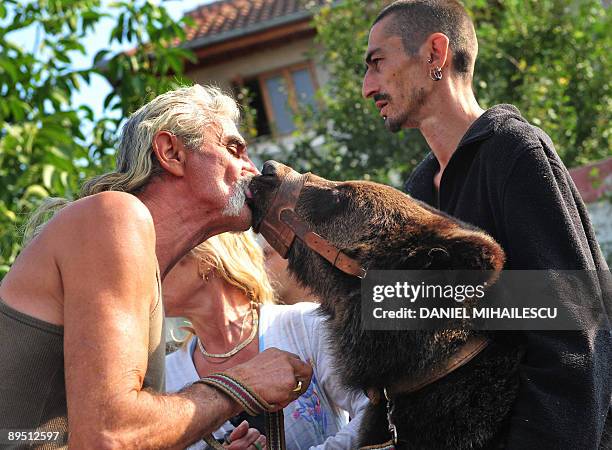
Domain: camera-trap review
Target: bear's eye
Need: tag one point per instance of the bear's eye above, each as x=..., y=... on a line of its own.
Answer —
x=336, y=196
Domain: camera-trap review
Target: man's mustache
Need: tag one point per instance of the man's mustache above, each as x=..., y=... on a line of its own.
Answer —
x=381, y=96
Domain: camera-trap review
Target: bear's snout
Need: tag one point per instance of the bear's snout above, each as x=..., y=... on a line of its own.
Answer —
x=270, y=168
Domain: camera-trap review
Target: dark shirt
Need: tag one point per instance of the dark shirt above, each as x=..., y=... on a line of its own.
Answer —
x=506, y=178
x=32, y=389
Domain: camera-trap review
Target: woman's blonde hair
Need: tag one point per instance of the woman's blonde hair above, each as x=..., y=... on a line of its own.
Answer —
x=239, y=260
x=187, y=112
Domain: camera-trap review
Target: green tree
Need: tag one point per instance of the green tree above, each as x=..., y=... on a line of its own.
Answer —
x=550, y=58
x=48, y=145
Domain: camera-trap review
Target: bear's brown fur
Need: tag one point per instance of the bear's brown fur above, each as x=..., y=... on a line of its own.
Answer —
x=383, y=228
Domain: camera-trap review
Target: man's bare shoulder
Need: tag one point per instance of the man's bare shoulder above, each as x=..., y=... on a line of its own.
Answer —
x=111, y=206
x=103, y=224
x=105, y=212
x=106, y=239
x=95, y=239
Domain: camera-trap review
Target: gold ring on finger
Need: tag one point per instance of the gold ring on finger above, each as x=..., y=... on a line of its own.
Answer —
x=298, y=388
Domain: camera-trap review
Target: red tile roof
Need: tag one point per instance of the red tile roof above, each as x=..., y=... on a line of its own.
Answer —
x=593, y=180
x=235, y=16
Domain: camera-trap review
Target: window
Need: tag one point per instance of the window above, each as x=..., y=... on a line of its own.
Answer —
x=275, y=96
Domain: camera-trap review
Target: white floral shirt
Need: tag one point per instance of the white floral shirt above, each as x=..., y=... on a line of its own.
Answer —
x=319, y=418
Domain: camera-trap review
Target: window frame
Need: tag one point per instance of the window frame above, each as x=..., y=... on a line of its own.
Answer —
x=285, y=74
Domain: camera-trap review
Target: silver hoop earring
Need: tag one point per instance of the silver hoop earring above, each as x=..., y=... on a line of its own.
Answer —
x=435, y=73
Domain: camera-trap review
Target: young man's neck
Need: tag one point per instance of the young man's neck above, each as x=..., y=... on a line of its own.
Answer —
x=445, y=127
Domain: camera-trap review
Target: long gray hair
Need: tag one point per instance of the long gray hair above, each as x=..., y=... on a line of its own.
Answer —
x=186, y=112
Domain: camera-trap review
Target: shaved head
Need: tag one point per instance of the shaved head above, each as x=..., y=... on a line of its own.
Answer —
x=415, y=20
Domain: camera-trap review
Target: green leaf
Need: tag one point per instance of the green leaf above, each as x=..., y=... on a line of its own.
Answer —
x=9, y=68
x=109, y=98
x=4, y=268
x=175, y=63
x=63, y=57
x=100, y=56
x=18, y=109
x=35, y=190
x=59, y=96
x=47, y=175
x=54, y=157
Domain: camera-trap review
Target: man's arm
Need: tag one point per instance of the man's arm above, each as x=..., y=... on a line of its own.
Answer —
x=564, y=391
x=108, y=267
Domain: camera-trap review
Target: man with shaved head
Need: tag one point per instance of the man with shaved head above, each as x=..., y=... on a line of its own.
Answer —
x=495, y=170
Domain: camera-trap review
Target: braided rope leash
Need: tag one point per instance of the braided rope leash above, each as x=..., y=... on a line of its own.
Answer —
x=275, y=428
x=252, y=403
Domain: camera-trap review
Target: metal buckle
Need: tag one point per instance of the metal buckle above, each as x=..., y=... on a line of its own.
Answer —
x=392, y=427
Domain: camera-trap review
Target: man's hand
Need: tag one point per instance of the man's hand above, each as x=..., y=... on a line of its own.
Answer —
x=245, y=438
x=274, y=375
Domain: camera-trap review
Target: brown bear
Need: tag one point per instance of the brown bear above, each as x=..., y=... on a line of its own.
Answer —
x=381, y=228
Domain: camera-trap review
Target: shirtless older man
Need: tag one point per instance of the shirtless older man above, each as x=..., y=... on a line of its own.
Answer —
x=81, y=344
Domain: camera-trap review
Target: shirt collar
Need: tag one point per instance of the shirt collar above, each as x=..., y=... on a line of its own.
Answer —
x=485, y=125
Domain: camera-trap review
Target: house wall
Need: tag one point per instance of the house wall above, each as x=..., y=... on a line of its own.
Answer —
x=601, y=217
x=257, y=62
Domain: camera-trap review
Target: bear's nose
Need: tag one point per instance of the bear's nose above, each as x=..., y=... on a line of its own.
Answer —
x=270, y=168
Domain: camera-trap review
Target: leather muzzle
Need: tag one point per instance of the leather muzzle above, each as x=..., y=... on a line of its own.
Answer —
x=272, y=227
x=281, y=225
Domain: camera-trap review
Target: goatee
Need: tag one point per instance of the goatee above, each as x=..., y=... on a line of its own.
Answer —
x=418, y=98
x=236, y=202
x=394, y=125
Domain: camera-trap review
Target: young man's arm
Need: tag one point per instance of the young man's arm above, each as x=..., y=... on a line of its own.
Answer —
x=107, y=260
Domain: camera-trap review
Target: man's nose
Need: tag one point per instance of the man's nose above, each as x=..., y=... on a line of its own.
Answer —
x=251, y=167
x=368, y=87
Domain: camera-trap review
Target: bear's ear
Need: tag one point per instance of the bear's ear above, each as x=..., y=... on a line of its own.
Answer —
x=474, y=250
x=425, y=255
x=438, y=258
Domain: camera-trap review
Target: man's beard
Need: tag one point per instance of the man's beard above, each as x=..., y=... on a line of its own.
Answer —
x=406, y=118
x=236, y=202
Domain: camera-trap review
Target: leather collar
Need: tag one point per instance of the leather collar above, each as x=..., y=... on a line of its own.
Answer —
x=474, y=346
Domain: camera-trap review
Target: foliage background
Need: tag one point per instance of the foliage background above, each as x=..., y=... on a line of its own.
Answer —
x=551, y=58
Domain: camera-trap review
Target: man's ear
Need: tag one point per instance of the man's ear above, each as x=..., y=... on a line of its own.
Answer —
x=170, y=152
x=437, y=50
